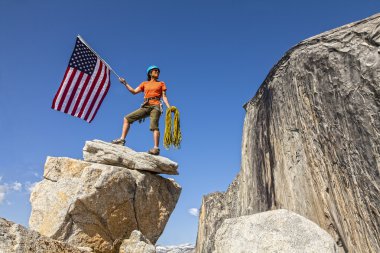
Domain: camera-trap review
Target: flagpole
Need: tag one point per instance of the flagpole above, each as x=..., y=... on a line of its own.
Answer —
x=84, y=42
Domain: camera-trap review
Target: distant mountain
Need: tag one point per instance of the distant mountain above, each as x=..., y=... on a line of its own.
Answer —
x=182, y=248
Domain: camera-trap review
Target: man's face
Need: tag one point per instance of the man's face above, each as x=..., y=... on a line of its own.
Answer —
x=155, y=73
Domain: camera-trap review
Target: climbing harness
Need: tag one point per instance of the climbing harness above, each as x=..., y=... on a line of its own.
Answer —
x=172, y=135
x=146, y=100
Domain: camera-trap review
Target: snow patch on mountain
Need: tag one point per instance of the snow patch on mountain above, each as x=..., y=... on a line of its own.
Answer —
x=182, y=248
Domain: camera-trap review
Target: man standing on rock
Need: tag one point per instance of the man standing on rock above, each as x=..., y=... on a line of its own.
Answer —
x=153, y=90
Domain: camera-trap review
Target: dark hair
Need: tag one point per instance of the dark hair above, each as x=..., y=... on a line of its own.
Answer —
x=148, y=75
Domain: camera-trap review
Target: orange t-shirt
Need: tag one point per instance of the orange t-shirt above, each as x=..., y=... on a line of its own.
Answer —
x=153, y=89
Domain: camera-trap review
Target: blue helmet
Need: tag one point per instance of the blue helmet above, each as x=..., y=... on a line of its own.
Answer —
x=152, y=67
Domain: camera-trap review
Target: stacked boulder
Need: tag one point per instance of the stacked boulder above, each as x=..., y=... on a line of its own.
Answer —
x=99, y=201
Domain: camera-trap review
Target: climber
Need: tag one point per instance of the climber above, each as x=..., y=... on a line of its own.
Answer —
x=153, y=90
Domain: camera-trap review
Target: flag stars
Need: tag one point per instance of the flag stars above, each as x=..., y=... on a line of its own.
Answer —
x=83, y=58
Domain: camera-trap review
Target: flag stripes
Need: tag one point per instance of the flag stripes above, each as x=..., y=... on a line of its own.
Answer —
x=79, y=81
x=91, y=87
x=98, y=95
x=81, y=94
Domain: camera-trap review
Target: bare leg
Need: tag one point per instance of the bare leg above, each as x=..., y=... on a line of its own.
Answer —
x=156, y=137
x=126, y=126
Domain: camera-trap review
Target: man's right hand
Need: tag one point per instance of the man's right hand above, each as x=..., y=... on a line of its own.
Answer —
x=122, y=80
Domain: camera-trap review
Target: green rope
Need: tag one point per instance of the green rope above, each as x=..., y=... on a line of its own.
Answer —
x=172, y=135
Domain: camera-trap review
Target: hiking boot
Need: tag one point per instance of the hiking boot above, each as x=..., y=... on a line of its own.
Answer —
x=154, y=151
x=118, y=142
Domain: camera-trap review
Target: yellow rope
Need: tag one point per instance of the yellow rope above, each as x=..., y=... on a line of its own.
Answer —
x=172, y=137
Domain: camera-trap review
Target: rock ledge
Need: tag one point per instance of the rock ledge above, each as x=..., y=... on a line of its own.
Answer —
x=106, y=153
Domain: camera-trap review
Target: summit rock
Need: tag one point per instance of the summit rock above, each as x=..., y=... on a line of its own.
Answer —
x=106, y=153
x=97, y=205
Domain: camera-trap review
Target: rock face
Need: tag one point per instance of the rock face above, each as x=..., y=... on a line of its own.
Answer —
x=106, y=153
x=270, y=232
x=311, y=141
x=97, y=205
x=137, y=243
x=15, y=238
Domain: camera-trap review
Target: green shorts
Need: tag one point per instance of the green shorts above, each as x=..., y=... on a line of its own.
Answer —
x=153, y=111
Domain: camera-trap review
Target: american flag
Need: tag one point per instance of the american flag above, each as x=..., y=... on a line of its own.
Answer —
x=85, y=84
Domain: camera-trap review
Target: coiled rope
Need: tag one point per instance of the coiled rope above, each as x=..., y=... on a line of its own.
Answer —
x=172, y=135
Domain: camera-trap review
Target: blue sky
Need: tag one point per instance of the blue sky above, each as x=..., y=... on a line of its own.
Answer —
x=213, y=57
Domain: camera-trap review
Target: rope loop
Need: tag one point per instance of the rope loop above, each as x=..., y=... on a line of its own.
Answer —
x=172, y=135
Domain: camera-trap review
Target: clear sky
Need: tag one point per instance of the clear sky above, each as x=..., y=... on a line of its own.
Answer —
x=213, y=57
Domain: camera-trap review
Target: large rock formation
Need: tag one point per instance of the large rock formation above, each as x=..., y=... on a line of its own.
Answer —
x=272, y=232
x=311, y=141
x=15, y=238
x=98, y=205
